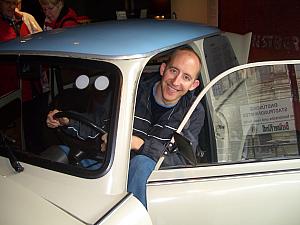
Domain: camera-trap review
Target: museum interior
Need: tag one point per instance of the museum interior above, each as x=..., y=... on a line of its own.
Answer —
x=272, y=24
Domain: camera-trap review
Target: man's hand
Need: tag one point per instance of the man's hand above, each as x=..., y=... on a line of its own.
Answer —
x=136, y=143
x=53, y=123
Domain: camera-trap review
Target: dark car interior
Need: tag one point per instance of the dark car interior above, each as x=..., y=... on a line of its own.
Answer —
x=26, y=102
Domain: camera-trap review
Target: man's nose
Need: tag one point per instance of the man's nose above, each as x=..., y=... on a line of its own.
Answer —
x=176, y=80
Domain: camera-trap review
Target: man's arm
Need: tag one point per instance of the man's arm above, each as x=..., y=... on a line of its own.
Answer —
x=76, y=128
x=193, y=129
x=136, y=143
x=154, y=147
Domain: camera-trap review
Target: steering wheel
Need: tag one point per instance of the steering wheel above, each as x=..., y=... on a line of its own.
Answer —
x=80, y=118
x=76, y=155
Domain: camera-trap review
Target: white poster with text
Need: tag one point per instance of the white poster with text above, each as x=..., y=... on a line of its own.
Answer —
x=268, y=117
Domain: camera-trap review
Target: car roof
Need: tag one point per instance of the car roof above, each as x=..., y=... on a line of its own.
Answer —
x=111, y=39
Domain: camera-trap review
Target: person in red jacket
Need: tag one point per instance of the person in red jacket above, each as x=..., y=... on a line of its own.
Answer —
x=11, y=26
x=57, y=14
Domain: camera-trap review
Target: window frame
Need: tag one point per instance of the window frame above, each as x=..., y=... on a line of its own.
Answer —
x=83, y=63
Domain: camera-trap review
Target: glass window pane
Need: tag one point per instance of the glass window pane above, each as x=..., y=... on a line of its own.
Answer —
x=84, y=89
x=255, y=113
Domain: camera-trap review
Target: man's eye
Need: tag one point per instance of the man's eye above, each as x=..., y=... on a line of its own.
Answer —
x=174, y=71
x=187, y=78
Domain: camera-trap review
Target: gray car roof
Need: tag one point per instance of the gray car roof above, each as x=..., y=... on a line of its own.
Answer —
x=111, y=39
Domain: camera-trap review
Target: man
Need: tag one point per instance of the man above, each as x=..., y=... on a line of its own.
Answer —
x=161, y=106
x=162, y=102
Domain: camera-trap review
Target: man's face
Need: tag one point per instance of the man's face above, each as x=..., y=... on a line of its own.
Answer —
x=7, y=7
x=179, y=76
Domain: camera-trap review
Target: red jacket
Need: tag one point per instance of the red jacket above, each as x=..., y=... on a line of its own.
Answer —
x=7, y=31
x=66, y=18
x=8, y=77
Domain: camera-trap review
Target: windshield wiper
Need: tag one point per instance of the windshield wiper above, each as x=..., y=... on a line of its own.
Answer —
x=12, y=158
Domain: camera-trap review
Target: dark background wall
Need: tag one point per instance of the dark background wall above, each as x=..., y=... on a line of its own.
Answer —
x=274, y=25
x=33, y=7
x=100, y=10
x=97, y=10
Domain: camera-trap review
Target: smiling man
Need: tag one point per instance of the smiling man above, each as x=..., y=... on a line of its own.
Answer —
x=179, y=76
x=162, y=102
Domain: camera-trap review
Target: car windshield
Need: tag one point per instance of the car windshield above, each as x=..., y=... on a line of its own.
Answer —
x=85, y=92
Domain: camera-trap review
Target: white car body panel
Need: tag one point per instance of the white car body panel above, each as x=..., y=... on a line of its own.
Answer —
x=52, y=195
x=227, y=200
x=26, y=204
x=127, y=213
x=240, y=44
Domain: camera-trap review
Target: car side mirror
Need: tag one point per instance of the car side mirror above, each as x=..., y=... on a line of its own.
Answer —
x=185, y=148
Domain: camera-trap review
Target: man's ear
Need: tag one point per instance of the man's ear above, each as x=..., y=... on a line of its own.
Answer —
x=162, y=68
x=194, y=85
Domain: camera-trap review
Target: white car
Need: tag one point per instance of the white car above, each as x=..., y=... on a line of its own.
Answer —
x=247, y=167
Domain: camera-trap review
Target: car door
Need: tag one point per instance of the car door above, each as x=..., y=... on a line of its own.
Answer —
x=251, y=172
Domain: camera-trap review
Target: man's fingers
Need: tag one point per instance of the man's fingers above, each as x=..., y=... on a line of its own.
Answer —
x=103, y=147
x=51, y=122
x=104, y=142
x=104, y=138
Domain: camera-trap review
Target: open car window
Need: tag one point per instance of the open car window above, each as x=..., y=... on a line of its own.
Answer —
x=87, y=92
x=254, y=114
